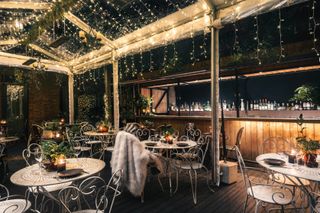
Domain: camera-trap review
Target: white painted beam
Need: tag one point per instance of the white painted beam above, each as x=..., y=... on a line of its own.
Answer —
x=116, y=110
x=25, y=5
x=47, y=53
x=171, y=28
x=71, y=98
x=8, y=41
x=86, y=28
x=14, y=60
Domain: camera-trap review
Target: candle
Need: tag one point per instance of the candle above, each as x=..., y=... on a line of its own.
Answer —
x=61, y=164
x=57, y=135
x=292, y=156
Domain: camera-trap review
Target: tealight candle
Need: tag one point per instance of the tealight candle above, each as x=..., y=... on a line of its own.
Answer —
x=292, y=156
x=57, y=135
x=61, y=164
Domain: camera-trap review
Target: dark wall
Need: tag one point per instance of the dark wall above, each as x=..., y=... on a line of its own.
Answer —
x=279, y=88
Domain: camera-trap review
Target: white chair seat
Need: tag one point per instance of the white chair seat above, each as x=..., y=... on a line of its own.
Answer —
x=187, y=165
x=270, y=194
x=14, y=205
x=88, y=211
x=279, y=178
x=52, y=188
x=85, y=148
x=93, y=142
x=110, y=148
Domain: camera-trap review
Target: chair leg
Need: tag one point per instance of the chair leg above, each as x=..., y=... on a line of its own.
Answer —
x=161, y=186
x=245, y=204
x=193, y=187
x=177, y=182
x=207, y=177
x=142, y=197
x=257, y=206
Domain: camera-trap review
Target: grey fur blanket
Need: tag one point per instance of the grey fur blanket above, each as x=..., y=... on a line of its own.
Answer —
x=131, y=156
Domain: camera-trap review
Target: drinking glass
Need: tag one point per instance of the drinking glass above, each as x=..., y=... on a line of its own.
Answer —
x=77, y=149
x=38, y=156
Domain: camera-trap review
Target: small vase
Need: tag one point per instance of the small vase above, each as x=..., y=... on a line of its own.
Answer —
x=311, y=160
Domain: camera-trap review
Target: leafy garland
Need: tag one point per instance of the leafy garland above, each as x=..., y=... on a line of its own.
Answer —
x=55, y=13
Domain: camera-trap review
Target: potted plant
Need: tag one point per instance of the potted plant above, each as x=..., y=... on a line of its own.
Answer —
x=53, y=151
x=308, y=146
x=102, y=126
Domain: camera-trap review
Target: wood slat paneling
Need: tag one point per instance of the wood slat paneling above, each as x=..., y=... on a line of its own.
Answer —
x=254, y=134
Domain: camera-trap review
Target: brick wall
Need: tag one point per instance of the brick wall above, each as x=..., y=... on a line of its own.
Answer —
x=44, y=103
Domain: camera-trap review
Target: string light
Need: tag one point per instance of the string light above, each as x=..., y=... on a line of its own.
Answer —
x=281, y=54
x=258, y=50
x=236, y=46
x=313, y=28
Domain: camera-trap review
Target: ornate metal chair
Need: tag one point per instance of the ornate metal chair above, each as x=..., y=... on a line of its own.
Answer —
x=92, y=195
x=192, y=161
x=12, y=203
x=230, y=148
x=131, y=128
x=143, y=133
x=35, y=134
x=3, y=162
x=283, y=146
x=29, y=156
x=191, y=133
x=257, y=187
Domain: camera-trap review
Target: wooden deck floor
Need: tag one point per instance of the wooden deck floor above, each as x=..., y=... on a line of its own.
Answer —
x=225, y=199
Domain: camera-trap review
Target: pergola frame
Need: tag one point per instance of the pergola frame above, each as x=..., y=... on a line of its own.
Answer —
x=202, y=15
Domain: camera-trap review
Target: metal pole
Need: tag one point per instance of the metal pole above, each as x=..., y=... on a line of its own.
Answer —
x=215, y=105
x=71, y=97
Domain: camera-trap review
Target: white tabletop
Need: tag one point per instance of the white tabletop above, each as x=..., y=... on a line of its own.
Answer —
x=94, y=133
x=289, y=169
x=161, y=145
x=8, y=139
x=30, y=176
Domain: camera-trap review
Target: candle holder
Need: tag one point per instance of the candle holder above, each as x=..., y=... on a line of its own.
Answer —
x=61, y=164
x=292, y=157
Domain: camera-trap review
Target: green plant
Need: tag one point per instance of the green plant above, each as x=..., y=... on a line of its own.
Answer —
x=304, y=93
x=307, y=145
x=52, y=150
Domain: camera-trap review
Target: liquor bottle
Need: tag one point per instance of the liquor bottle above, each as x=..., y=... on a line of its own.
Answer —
x=251, y=105
x=242, y=105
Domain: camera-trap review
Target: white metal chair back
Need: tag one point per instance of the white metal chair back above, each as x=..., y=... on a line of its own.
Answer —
x=92, y=194
x=191, y=134
x=203, y=146
x=86, y=128
x=70, y=134
x=4, y=193
x=239, y=137
x=132, y=128
x=143, y=133
x=29, y=154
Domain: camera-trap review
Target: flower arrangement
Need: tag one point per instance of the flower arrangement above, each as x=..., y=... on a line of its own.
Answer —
x=308, y=146
x=53, y=151
x=103, y=126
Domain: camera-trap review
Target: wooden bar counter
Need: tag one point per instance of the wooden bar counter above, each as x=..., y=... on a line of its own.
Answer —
x=257, y=129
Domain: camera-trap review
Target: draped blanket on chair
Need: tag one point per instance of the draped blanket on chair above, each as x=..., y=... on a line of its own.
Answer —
x=131, y=156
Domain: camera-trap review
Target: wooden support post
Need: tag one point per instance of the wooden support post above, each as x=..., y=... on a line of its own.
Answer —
x=106, y=94
x=215, y=105
x=116, y=111
x=71, y=97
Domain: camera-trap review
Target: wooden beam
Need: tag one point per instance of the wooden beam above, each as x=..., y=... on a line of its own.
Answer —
x=25, y=5
x=71, y=98
x=8, y=41
x=116, y=110
x=47, y=53
x=86, y=28
x=14, y=60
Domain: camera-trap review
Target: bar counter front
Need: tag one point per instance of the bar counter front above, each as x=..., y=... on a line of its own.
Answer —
x=256, y=129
